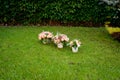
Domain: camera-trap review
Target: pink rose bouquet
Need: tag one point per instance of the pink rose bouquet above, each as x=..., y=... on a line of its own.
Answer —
x=60, y=39
x=45, y=37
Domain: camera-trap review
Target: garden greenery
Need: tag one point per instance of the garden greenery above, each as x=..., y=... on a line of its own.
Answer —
x=37, y=11
x=114, y=7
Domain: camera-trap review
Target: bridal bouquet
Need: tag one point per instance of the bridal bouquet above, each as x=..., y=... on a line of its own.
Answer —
x=45, y=37
x=60, y=40
x=75, y=44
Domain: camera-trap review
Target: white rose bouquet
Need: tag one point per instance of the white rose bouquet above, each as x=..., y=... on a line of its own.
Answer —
x=75, y=44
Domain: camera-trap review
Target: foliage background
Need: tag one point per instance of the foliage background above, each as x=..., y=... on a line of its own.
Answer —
x=37, y=11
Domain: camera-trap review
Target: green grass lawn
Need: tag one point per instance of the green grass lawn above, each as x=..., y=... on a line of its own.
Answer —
x=23, y=57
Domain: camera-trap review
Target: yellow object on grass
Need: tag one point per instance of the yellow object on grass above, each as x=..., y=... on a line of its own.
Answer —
x=112, y=29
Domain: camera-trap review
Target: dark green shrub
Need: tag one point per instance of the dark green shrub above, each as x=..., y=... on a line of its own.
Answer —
x=113, y=7
x=37, y=11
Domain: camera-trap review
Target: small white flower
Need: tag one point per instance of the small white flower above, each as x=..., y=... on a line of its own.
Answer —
x=75, y=43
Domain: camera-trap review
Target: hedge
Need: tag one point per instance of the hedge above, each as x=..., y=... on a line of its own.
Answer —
x=36, y=11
